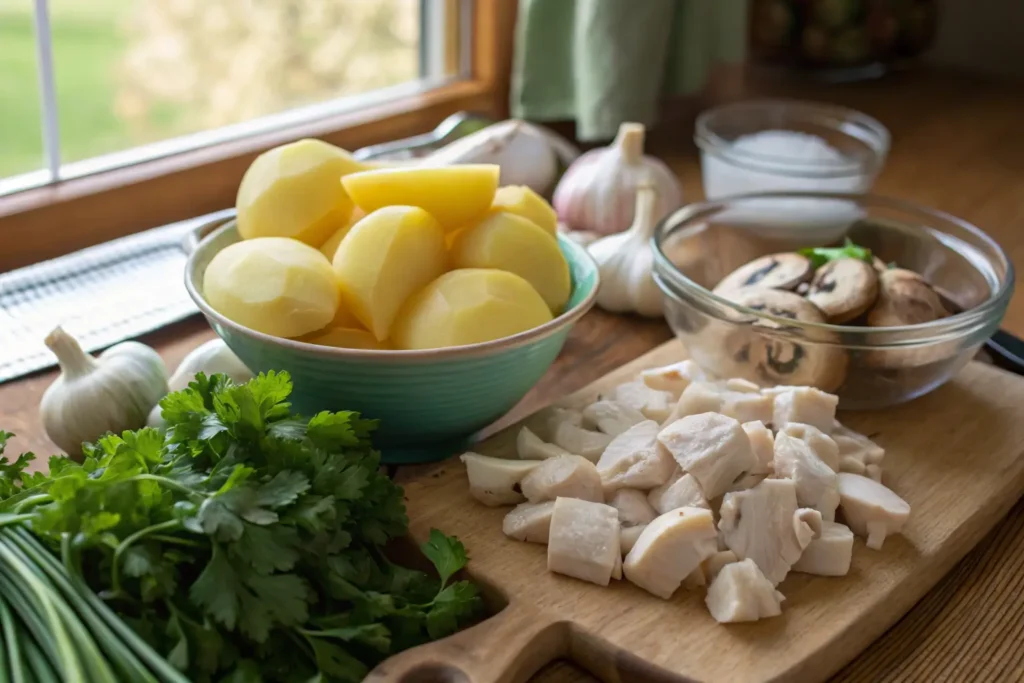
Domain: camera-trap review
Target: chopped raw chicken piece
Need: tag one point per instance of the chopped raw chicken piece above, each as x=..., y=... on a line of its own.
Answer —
x=830, y=554
x=741, y=592
x=699, y=397
x=857, y=445
x=611, y=417
x=763, y=524
x=746, y=481
x=848, y=463
x=805, y=405
x=529, y=446
x=681, y=490
x=744, y=386
x=495, y=481
x=712, y=565
x=712, y=447
x=873, y=472
x=695, y=579
x=584, y=540
x=544, y=421
x=815, y=481
x=529, y=522
x=762, y=442
x=673, y=378
x=634, y=514
x=669, y=549
x=567, y=476
x=617, y=567
x=820, y=442
x=580, y=441
x=655, y=405
x=871, y=509
x=735, y=397
x=746, y=406
x=635, y=459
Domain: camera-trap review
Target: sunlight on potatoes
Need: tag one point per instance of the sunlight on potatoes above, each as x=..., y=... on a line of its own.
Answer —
x=273, y=285
x=468, y=307
x=293, y=191
x=509, y=242
x=523, y=201
x=454, y=195
x=386, y=257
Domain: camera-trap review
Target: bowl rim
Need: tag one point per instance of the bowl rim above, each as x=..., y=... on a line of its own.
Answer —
x=878, y=138
x=203, y=236
x=963, y=321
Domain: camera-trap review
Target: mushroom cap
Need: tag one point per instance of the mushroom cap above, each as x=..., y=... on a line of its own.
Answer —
x=879, y=265
x=769, y=359
x=904, y=298
x=844, y=289
x=775, y=271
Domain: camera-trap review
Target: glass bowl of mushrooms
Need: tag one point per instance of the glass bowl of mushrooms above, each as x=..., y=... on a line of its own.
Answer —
x=887, y=312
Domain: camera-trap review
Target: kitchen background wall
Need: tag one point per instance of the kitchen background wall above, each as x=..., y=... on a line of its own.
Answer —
x=981, y=35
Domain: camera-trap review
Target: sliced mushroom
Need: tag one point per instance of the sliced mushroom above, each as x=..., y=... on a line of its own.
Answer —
x=856, y=446
x=635, y=513
x=673, y=378
x=611, y=417
x=584, y=540
x=871, y=509
x=815, y=481
x=830, y=554
x=681, y=490
x=762, y=442
x=529, y=446
x=804, y=405
x=580, y=441
x=530, y=522
x=568, y=476
x=905, y=298
x=669, y=549
x=819, y=442
x=635, y=459
x=741, y=592
x=843, y=289
x=776, y=271
x=712, y=447
x=655, y=405
x=713, y=565
x=496, y=481
x=759, y=352
x=765, y=525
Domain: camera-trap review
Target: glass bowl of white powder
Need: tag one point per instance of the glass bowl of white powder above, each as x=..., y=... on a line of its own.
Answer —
x=788, y=145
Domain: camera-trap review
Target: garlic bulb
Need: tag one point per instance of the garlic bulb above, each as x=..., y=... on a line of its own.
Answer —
x=598, y=191
x=625, y=262
x=94, y=396
x=527, y=154
x=211, y=357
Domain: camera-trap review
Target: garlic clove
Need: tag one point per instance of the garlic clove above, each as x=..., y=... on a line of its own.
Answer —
x=211, y=357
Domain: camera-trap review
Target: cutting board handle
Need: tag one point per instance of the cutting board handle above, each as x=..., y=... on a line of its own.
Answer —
x=507, y=648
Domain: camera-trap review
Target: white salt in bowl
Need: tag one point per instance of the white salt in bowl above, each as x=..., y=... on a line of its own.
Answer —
x=790, y=146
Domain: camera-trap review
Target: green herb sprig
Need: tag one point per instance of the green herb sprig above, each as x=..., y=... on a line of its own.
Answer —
x=819, y=256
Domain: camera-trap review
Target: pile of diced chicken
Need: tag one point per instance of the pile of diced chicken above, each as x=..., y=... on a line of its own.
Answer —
x=681, y=480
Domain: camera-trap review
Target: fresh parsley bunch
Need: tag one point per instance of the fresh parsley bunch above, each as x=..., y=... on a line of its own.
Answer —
x=245, y=543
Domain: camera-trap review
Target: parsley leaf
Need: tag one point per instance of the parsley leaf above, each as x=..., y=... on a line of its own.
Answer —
x=447, y=554
x=819, y=256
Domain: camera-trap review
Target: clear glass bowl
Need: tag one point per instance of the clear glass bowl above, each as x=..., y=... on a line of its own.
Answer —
x=868, y=367
x=859, y=143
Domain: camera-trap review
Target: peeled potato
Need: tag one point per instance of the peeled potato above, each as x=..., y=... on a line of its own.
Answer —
x=274, y=285
x=509, y=242
x=523, y=201
x=387, y=256
x=469, y=306
x=345, y=338
x=331, y=245
x=293, y=191
x=454, y=195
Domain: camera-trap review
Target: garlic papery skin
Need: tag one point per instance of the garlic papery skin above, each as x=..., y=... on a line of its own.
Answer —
x=211, y=357
x=598, y=191
x=93, y=396
x=625, y=262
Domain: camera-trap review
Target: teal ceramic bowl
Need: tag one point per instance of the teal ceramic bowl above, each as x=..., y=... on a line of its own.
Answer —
x=429, y=403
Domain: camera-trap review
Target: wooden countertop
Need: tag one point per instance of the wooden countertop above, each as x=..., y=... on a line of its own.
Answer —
x=958, y=145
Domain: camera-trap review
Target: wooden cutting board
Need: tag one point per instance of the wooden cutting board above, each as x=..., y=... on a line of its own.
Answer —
x=954, y=455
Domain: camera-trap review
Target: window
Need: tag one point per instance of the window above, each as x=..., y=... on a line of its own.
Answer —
x=118, y=115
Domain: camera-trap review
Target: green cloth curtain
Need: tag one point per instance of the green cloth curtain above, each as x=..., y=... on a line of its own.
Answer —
x=602, y=62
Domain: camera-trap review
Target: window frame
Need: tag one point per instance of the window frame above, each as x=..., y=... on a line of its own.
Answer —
x=44, y=222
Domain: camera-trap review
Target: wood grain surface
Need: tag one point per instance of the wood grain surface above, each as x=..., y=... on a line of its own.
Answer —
x=953, y=455
x=958, y=146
